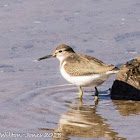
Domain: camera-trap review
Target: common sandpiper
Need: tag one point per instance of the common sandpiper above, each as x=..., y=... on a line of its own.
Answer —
x=82, y=70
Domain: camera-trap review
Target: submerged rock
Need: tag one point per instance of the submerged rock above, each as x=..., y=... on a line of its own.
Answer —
x=127, y=84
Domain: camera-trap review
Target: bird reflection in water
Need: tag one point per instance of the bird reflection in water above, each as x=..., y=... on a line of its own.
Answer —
x=83, y=120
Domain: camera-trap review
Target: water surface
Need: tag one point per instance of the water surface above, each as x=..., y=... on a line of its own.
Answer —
x=35, y=100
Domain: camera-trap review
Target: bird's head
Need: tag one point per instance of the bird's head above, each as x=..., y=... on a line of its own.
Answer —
x=61, y=52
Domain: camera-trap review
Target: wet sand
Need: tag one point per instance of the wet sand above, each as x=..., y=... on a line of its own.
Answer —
x=34, y=97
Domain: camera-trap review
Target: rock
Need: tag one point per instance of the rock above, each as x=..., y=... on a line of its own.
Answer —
x=127, y=84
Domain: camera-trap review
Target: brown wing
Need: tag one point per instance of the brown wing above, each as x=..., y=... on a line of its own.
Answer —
x=79, y=64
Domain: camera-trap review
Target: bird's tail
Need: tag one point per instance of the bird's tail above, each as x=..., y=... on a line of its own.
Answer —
x=115, y=69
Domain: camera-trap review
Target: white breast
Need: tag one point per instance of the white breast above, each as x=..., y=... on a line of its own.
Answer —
x=84, y=81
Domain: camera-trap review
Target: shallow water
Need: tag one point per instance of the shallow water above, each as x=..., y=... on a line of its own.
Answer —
x=57, y=111
x=35, y=100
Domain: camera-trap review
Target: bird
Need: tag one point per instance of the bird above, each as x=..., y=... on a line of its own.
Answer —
x=80, y=69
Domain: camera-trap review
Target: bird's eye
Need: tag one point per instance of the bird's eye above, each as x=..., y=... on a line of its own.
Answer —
x=60, y=51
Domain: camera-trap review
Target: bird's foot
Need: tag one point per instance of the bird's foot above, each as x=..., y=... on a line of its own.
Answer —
x=96, y=99
x=80, y=93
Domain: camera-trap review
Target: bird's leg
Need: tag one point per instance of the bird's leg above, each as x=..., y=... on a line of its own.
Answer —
x=80, y=93
x=96, y=95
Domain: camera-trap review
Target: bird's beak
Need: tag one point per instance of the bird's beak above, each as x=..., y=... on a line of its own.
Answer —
x=45, y=57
